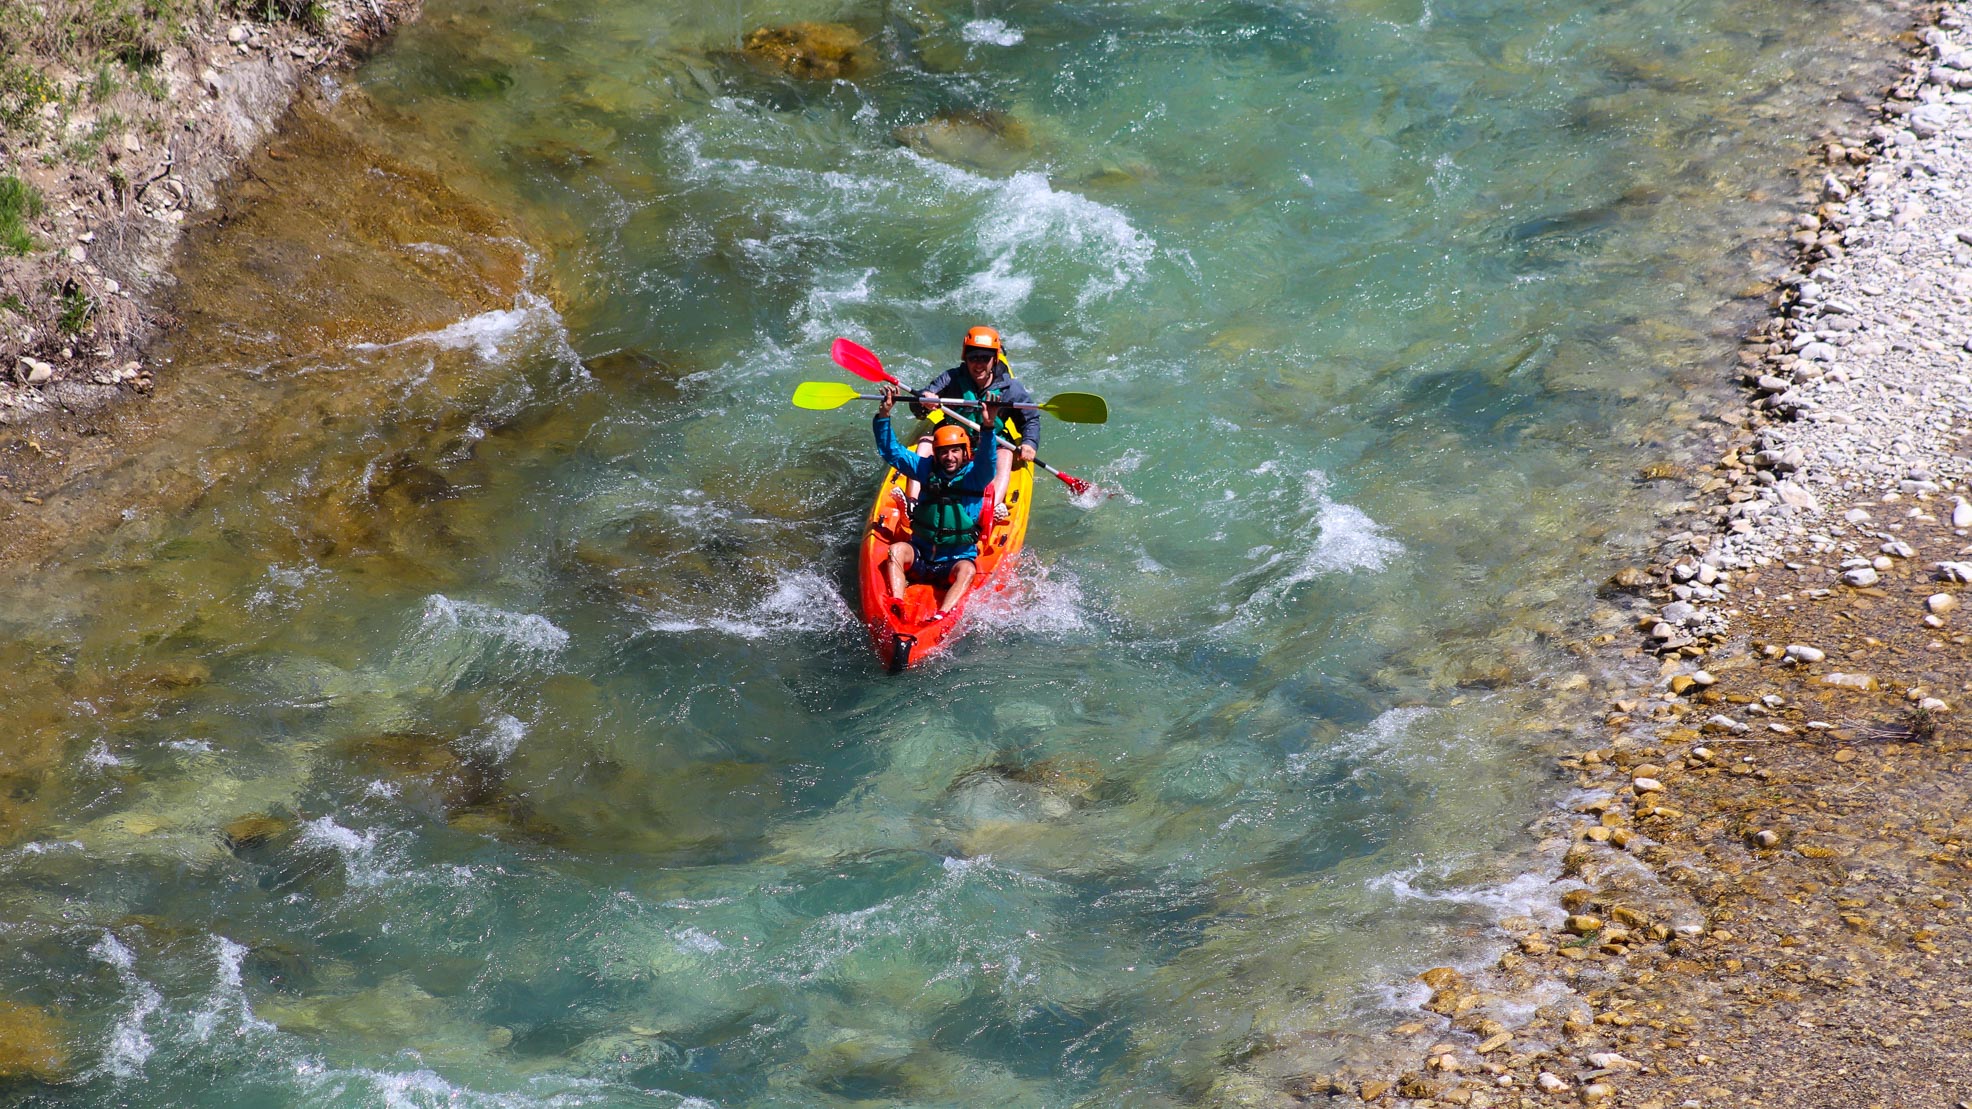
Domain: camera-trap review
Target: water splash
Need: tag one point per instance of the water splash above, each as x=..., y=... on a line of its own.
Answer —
x=129, y=1046
x=992, y=32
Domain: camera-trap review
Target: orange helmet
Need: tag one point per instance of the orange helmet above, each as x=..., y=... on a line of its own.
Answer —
x=949, y=435
x=985, y=338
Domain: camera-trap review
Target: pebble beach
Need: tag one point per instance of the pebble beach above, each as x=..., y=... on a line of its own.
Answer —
x=1761, y=876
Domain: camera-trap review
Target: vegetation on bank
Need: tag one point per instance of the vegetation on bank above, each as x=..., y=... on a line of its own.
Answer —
x=78, y=75
x=95, y=98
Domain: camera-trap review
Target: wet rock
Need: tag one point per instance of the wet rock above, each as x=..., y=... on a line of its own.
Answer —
x=1799, y=652
x=1631, y=578
x=33, y=1045
x=1940, y=603
x=1861, y=576
x=1955, y=571
x=1863, y=682
x=811, y=51
x=989, y=139
x=253, y=830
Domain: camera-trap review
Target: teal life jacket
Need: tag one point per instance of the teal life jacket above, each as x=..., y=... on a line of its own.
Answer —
x=946, y=518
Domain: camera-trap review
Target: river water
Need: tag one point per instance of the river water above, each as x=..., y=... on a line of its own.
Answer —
x=469, y=707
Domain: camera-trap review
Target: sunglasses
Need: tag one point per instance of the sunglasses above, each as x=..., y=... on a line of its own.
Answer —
x=978, y=356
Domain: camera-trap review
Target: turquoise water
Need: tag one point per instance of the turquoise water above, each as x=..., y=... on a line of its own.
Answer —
x=530, y=633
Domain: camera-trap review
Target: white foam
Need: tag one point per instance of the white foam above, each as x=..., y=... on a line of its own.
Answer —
x=694, y=941
x=502, y=737
x=1039, y=599
x=1340, y=539
x=228, y=994
x=992, y=32
x=357, y=851
x=129, y=1046
x=425, y=1089
x=802, y=602
x=42, y=847
x=99, y=757
x=526, y=631
x=1380, y=737
x=489, y=334
x=1529, y=894
x=112, y=951
x=1030, y=217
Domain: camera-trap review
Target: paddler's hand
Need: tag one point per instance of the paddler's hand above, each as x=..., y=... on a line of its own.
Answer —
x=928, y=400
x=889, y=400
x=1026, y=452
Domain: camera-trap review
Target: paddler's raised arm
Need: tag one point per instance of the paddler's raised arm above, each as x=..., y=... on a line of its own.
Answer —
x=904, y=462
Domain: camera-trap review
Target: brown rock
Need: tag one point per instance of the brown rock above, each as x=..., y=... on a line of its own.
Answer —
x=1372, y=1089
x=812, y=51
x=1439, y=978
x=32, y=1045
x=1581, y=924
x=253, y=830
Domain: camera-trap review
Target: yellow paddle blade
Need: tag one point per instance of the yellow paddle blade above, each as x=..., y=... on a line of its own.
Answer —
x=822, y=396
x=1077, y=408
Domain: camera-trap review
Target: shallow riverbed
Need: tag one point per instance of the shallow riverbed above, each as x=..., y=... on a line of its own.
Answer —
x=470, y=709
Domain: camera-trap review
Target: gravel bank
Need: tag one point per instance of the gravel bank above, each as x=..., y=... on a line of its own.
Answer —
x=1760, y=881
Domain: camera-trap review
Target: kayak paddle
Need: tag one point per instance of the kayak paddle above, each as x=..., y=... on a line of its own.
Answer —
x=859, y=361
x=1071, y=408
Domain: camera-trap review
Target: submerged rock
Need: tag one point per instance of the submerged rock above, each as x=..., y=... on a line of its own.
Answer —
x=32, y=1045
x=987, y=139
x=253, y=830
x=811, y=51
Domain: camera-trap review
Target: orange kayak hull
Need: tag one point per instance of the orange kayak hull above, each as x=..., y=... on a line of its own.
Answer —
x=903, y=630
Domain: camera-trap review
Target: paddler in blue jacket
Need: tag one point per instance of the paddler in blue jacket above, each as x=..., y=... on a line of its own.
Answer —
x=982, y=374
x=945, y=521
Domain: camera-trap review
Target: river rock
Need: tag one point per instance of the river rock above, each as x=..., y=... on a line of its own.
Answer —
x=1839, y=680
x=811, y=51
x=1940, y=603
x=1925, y=121
x=1861, y=576
x=32, y=1045
x=1799, y=652
x=1961, y=513
x=254, y=830
x=990, y=140
x=1955, y=571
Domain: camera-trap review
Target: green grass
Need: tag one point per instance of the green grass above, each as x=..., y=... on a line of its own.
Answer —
x=14, y=304
x=19, y=202
x=76, y=312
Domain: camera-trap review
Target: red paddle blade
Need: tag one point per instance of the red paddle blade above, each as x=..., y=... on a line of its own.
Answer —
x=1075, y=485
x=859, y=361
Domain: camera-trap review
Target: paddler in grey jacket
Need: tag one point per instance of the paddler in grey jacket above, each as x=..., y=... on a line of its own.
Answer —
x=982, y=375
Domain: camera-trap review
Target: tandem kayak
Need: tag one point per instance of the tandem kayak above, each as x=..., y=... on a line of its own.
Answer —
x=903, y=631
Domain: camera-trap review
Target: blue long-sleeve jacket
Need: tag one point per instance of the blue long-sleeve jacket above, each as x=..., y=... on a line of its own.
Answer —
x=971, y=481
x=957, y=384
